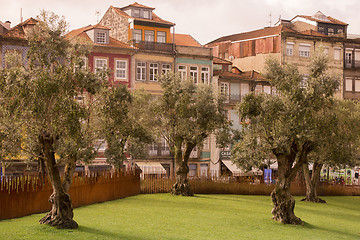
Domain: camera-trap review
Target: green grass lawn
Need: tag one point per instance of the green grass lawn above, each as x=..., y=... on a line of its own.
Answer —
x=162, y=216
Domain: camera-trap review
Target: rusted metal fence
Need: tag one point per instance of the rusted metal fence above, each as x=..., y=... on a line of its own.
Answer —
x=27, y=195
x=221, y=185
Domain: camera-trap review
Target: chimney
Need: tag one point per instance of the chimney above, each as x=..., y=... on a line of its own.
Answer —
x=7, y=24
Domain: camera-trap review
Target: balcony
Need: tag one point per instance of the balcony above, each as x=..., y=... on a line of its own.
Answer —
x=352, y=64
x=153, y=46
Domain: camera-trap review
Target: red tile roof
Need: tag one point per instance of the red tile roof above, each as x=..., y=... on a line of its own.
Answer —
x=135, y=4
x=18, y=30
x=155, y=18
x=81, y=33
x=313, y=33
x=248, y=76
x=331, y=19
x=253, y=34
x=185, y=40
x=217, y=60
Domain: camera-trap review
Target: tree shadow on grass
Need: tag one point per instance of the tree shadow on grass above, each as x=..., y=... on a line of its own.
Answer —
x=107, y=235
x=341, y=233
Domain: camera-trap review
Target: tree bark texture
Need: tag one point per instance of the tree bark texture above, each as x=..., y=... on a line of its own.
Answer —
x=182, y=186
x=61, y=214
x=312, y=181
x=284, y=202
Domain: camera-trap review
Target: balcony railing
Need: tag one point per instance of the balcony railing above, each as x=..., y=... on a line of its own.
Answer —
x=352, y=64
x=155, y=46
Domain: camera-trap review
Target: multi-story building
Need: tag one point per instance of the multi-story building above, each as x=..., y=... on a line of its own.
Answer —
x=291, y=41
x=352, y=67
x=160, y=50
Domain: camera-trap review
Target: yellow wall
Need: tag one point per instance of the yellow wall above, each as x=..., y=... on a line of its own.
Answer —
x=155, y=29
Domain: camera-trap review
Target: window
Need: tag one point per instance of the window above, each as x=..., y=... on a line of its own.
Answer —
x=140, y=71
x=206, y=144
x=194, y=74
x=203, y=169
x=304, y=50
x=224, y=90
x=120, y=69
x=153, y=71
x=337, y=53
x=339, y=31
x=244, y=89
x=101, y=37
x=267, y=89
x=165, y=68
x=258, y=89
x=326, y=51
x=100, y=64
x=289, y=48
x=136, y=12
x=146, y=14
x=153, y=147
x=348, y=84
x=205, y=75
x=273, y=90
x=149, y=36
x=330, y=31
x=357, y=85
x=304, y=82
x=161, y=37
x=348, y=56
x=357, y=57
x=164, y=147
x=192, y=170
x=182, y=71
x=137, y=35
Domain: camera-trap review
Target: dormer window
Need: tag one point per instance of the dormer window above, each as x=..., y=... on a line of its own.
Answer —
x=101, y=37
x=136, y=12
x=146, y=14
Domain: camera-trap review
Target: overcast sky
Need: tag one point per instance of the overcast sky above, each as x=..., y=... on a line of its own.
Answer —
x=205, y=20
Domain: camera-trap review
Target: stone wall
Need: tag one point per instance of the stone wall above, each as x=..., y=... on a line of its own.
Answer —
x=119, y=25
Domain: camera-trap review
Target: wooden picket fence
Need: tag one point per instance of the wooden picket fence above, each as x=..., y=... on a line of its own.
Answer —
x=218, y=185
x=21, y=196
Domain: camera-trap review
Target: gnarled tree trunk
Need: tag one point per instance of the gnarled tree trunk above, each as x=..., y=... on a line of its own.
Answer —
x=61, y=214
x=182, y=186
x=284, y=202
x=312, y=182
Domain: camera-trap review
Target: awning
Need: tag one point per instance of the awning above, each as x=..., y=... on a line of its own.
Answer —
x=238, y=172
x=151, y=167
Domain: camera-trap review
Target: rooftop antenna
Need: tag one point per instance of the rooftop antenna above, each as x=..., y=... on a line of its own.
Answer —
x=270, y=19
x=21, y=17
x=97, y=14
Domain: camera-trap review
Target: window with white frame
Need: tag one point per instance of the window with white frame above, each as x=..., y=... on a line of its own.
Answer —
x=154, y=71
x=348, y=84
x=165, y=68
x=140, y=71
x=337, y=53
x=161, y=37
x=267, y=89
x=205, y=75
x=224, y=90
x=304, y=50
x=357, y=57
x=192, y=170
x=182, y=71
x=289, y=48
x=244, y=89
x=120, y=69
x=100, y=63
x=136, y=13
x=304, y=81
x=194, y=74
x=149, y=36
x=330, y=31
x=258, y=89
x=326, y=51
x=153, y=148
x=164, y=147
x=147, y=14
x=348, y=56
x=137, y=35
x=204, y=169
x=357, y=85
x=101, y=37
